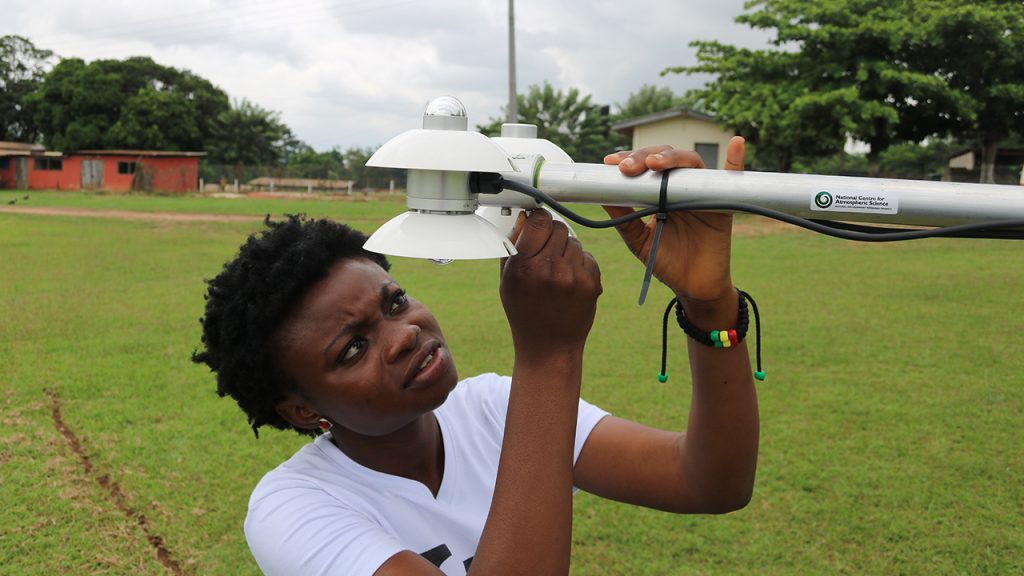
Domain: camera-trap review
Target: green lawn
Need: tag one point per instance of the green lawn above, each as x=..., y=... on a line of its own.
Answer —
x=892, y=417
x=355, y=207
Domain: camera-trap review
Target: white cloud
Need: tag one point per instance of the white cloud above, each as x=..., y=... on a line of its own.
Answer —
x=356, y=72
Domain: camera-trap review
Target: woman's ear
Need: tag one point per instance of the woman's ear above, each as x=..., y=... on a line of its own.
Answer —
x=298, y=412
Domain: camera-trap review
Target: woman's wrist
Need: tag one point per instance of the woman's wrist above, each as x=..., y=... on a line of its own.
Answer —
x=719, y=313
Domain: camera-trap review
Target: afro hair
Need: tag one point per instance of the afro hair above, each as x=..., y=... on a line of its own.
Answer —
x=252, y=297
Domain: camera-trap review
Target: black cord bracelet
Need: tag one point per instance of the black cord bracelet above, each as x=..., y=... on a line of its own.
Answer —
x=714, y=338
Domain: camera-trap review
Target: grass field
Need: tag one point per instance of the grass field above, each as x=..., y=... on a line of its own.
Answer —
x=892, y=417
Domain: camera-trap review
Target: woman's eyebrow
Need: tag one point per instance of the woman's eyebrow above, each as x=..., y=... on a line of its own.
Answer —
x=350, y=327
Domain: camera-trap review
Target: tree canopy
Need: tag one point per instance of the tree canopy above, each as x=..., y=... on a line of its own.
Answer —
x=652, y=99
x=978, y=50
x=131, y=103
x=22, y=68
x=567, y=119
x=877, y=71
x=246, y=133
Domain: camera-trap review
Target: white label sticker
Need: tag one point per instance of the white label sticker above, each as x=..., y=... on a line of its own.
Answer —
x=860, y=202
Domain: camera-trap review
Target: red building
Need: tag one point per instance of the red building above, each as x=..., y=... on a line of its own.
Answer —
x=29, y=166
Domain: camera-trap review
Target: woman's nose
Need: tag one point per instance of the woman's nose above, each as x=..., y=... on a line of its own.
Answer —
x=404, y=339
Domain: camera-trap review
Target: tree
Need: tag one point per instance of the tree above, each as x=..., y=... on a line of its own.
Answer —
x=355, y=159
x=247, y=134
x=568, y=120
x=765, y=98
x=308, y=163
x=131, y=103
x=859, y=56
x=651, y=99
x=978, y=50
x=156, y=120
x=854, y=66
x=927, y=161
x=22, y=69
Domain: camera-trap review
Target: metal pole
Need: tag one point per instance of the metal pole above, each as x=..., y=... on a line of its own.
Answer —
x=513, y=104
x=836, y=198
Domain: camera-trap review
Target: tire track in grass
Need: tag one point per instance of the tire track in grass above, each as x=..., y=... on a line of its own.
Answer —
x=113, y=488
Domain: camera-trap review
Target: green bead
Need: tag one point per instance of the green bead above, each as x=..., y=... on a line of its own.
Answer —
x=714, y=336
x=759, y=374
x=662, y=377
x=718, y=344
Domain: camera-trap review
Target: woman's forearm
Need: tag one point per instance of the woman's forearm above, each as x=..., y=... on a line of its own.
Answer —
x=720, y=455
x=529, y=526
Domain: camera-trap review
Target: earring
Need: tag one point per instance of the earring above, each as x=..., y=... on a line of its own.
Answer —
x=325, y=425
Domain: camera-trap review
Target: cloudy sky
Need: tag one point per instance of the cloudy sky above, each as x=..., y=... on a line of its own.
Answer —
x=357, y=72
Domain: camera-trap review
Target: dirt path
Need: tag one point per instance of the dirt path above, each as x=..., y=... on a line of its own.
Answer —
x=752, y=226
x=129, y=215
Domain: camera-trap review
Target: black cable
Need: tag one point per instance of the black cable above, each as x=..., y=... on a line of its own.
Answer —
x=1010, y=233
x=996, y=229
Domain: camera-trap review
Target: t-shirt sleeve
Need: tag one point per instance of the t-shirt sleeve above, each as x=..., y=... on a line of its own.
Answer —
x=300, y=530
x=587, y=417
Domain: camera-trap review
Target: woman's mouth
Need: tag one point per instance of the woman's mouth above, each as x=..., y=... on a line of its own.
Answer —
x=430, y=369
x=426, y=361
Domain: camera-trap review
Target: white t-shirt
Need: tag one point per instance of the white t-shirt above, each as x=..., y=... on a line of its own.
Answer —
x=321, y=513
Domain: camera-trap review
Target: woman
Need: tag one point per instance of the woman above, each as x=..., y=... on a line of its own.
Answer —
x=418, y=473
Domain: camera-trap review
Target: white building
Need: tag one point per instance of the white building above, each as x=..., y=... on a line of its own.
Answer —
x=680, y=128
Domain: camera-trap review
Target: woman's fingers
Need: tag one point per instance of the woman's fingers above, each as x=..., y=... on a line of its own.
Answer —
x=672, y=158
x=633, y=162
x=517, y=227
x=734, y=154
x=559, y=239
x=534, y=234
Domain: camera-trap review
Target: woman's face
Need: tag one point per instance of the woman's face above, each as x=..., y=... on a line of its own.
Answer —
x=363, y=354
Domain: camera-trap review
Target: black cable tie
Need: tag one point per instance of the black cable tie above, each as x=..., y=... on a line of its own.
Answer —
x=652, y=255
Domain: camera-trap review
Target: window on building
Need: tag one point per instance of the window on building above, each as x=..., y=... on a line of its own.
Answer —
x=5, y=163
x=126, y=167
x=709, y=152
x=54, y=164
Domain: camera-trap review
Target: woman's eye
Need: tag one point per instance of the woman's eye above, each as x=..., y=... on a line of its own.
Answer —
x=352, y=350
x=398, y=301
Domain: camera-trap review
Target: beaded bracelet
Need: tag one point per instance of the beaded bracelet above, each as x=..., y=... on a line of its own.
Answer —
x=714, y=338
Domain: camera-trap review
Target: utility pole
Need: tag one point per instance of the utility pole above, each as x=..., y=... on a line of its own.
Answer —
x=513, y=103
